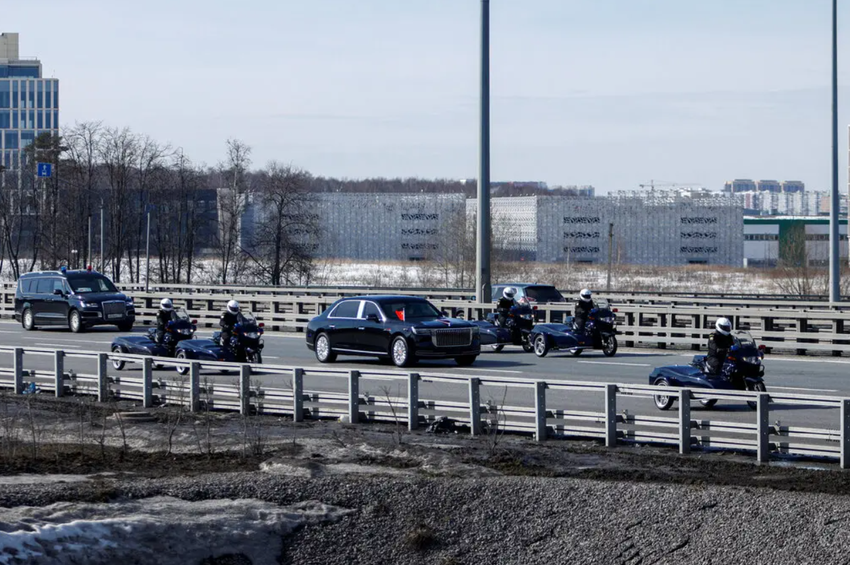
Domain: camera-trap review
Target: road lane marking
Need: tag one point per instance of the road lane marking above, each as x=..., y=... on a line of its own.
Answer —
x=807, y=361
x=70, y=340
x=805, y=389
x=53, y=346
x=485, y=370
x=615, y=363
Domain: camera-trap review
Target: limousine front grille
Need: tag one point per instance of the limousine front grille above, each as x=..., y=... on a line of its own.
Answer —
x=114, y=309
x=453, y=337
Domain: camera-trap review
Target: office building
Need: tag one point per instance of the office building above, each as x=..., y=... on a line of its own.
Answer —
x=29, y=103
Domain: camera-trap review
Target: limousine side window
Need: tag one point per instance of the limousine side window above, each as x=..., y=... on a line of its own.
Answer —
x=347, y=309
x=371, y=308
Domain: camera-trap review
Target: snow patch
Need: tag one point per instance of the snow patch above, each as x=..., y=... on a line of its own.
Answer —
x=160, y=530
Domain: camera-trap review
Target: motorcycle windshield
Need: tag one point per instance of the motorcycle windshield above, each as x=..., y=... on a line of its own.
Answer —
x=246, y=318
x=744, y=339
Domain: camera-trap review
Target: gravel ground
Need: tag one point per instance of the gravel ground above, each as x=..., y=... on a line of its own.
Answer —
x=450, y=499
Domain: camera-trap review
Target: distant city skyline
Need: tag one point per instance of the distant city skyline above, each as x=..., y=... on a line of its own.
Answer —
x=610, y=94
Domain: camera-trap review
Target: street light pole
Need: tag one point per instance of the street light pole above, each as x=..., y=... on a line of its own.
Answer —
x=148, y=253
x=88, y=255
x=482, y=255
x=102, y=232
x=835, y=203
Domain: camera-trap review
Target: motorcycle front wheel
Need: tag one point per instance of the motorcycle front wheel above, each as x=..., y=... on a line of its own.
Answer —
x=255, y=358
x=609, y=346
x=756, y=387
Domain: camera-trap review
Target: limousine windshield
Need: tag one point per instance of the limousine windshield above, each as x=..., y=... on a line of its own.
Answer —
x=81, y=284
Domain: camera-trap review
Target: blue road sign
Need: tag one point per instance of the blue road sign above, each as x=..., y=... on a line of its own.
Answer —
x=45, y=169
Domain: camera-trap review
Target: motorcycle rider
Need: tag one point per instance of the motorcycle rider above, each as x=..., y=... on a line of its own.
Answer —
x=163, y=316
x=505, y=303
x=719, y=342
x=228, y=321
x=582, y=309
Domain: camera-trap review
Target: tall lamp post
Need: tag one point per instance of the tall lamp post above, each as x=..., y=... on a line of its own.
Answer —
x=834, y=205
x=482, y=251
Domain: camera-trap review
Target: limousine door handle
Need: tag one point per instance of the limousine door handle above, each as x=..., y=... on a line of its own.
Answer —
x=361, y=328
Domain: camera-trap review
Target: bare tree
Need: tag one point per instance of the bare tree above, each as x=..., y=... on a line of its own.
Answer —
x=232, y=202
x=280, y=247
x=118, y=150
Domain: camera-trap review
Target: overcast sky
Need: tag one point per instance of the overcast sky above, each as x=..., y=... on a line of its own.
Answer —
x=605, y=92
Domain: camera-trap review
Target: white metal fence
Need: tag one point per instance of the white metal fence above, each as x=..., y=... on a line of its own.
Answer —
x=544, y=409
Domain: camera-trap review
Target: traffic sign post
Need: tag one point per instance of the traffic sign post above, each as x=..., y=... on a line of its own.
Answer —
x=45, y=170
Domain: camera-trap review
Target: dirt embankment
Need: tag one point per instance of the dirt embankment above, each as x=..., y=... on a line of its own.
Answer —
x=400, y=497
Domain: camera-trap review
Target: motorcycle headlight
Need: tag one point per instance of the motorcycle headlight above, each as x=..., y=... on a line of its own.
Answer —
x=252, y=335
x=754, y=360
x=609, y=319
x=420, y=331
x=185, y=331
x=526, y=316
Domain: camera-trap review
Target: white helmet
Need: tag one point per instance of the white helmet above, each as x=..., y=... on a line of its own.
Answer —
x=166, y=304
x=509, y=292
x=723, y=325
x=584, y=295
x=233, y=307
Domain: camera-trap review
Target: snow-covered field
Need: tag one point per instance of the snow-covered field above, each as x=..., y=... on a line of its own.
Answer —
x=624, y=278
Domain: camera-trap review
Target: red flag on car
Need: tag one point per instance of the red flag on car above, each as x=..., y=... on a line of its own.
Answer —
x=400, y=314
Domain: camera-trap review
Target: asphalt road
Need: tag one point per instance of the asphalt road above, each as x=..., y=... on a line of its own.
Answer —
x=784, y=374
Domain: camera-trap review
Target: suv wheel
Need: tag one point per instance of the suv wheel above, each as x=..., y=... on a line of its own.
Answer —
x=75, y=322
x=28, y=320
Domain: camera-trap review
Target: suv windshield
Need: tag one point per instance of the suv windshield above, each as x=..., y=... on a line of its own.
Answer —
x=409, y=310
x=82, y=284
x=543, y=294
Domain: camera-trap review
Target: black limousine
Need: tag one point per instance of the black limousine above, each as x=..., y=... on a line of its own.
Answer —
x=400, y=329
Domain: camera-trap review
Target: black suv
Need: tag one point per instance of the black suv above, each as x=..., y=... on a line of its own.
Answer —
x=77, y=299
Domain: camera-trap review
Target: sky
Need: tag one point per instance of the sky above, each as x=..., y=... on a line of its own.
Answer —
x=612, y=93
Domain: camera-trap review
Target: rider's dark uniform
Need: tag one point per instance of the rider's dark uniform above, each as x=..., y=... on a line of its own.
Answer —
x=162, y=319
x=582, y=311
x=503, y=307
x=718, y=349
x=227, y=322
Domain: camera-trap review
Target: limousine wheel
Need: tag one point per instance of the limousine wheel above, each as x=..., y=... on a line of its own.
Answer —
x=323, y=349
x=401, y=352
x=115, y=362
x=27, y=320
x=466, y=360
x=75, y=322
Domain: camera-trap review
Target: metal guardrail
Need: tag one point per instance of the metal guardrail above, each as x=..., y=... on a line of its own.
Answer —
x=539, y=407
x=652, y=320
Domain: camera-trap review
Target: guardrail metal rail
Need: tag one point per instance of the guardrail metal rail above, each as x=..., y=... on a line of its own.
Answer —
x=537, y=407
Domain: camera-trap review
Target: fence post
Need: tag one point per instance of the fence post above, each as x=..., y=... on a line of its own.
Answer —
x=245, y=390
x=763, y=424
x=59, y=372
x=147, y=382
x=610, y=415
x=102, y=377
x=845, y=433
x=194, y=386
x=684, y=421
x=475, y=406
x=540, y=432
x=298, y=395
x=412, y=401
x=18, y=369
x=354, y=396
